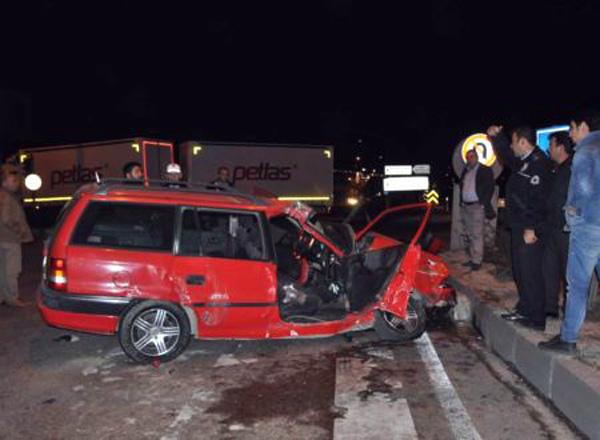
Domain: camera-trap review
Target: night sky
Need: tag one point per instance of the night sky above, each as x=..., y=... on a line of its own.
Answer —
x=409, y=78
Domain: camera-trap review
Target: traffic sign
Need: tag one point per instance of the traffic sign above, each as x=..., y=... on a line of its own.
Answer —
x=422, y=169
x=432, y=197
x=480, y=143
x=406, y=183
x=398, y=170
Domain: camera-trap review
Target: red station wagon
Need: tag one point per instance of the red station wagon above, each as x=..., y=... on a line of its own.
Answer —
x=157, y=265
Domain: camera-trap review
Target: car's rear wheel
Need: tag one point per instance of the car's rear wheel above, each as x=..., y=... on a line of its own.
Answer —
x=390, y=327
x=154, y=331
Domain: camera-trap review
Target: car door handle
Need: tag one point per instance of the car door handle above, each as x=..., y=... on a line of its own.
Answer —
x=197, y=280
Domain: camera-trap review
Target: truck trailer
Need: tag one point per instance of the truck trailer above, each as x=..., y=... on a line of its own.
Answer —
x=64, y=168
x=283, y=171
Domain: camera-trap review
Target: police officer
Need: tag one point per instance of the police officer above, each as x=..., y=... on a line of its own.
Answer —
x=526, y=192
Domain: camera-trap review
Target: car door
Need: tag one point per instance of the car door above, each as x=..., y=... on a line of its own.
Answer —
x=122, y=249
x=224, y=269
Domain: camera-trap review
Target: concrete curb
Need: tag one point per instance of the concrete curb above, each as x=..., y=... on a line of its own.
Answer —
x=572, y=386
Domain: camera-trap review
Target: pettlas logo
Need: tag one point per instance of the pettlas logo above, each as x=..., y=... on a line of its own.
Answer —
x=263, y=171
x=75, y=175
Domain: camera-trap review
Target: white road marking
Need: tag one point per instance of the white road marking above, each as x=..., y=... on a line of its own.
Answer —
x=368, y=416
x=460, y=423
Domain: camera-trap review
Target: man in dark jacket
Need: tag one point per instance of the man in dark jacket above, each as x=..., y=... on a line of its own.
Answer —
x=556, y=241
x=476, y=190
x=526, y=193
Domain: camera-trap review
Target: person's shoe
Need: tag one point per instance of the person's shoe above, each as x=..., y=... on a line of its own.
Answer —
x=475, y=267
x=513, y=316
x=467, y=264
x=552, y=315
x=528, y=323
x=558, y=345
x=16, y=303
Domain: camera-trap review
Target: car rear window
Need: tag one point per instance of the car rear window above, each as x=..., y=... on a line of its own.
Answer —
x=125, y=225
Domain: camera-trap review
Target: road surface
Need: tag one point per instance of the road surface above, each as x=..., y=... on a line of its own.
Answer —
x=56, y=384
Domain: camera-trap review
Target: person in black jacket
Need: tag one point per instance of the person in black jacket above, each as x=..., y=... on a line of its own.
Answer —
x=556, y=242
x=526, y=193
x=476, y=190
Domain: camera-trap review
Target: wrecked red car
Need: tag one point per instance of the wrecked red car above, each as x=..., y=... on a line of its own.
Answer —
x=159, y=265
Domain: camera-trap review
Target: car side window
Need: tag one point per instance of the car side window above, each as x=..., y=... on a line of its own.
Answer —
x=127, y=226
x=189, y=242
x=221, y=235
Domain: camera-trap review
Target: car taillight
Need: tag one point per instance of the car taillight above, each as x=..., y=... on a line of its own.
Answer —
x=57, y=274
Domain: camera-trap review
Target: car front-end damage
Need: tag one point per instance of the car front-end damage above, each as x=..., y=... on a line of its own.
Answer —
x=369, y=273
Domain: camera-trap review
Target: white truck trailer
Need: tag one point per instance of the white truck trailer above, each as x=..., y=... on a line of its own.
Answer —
x=284, y=171
x=64, y=168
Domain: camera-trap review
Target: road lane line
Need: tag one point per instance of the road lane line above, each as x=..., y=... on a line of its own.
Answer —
x=368, y=414
x=458, y=417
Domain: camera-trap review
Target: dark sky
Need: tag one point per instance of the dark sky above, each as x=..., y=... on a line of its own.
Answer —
x=410, y=78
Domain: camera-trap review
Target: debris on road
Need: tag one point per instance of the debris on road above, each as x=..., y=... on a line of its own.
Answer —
x=67, y=338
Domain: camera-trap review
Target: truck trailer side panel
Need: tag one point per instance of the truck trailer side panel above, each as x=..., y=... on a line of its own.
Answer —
x=289, y=172
x=63, y=169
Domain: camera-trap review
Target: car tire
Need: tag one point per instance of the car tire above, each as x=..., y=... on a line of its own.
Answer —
x=391, y=328
x=152, y=331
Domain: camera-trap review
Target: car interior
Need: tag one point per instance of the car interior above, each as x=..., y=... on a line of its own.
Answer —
x=316, y=285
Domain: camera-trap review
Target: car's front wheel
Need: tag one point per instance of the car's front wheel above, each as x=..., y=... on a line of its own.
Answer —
x=154, y=331
x=390, y=327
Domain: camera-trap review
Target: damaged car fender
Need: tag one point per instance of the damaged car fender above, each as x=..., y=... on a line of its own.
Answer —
x=395, y=298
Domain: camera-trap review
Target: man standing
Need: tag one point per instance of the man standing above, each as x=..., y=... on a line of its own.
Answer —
x=476, y=190
x=582, y=213
x=133, y=171
x=174, y=175
x=173, y=172
x=556, y=242
x=526, y=192
x=222, y=179
x=14, y=230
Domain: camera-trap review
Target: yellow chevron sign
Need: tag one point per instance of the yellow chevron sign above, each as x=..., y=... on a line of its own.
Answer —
x=432, y=197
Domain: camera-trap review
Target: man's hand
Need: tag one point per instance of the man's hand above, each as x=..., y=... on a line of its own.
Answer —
x=529, y=236
x=494, y=130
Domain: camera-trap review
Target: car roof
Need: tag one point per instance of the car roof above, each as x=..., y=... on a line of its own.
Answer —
x=198, y=196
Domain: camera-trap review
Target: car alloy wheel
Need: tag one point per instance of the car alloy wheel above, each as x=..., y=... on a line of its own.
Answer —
x=155, y=332
x=408, y=325
x=390, y=327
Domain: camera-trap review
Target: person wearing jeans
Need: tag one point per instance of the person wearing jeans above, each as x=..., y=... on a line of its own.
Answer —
x=582, y=213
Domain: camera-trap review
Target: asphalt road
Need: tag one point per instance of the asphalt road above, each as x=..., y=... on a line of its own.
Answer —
x=56, y=384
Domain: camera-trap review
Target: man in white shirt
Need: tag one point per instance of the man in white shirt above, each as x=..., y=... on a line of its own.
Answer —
x=476, y=190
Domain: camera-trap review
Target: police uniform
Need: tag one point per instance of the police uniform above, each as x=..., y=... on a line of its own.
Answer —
x=526, y=194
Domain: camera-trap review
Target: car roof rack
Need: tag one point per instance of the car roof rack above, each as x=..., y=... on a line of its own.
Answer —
x=105, y=185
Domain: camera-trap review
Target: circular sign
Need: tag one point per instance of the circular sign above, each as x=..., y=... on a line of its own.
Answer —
x=33, y=182
x=480, y=143
x=485, y=151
